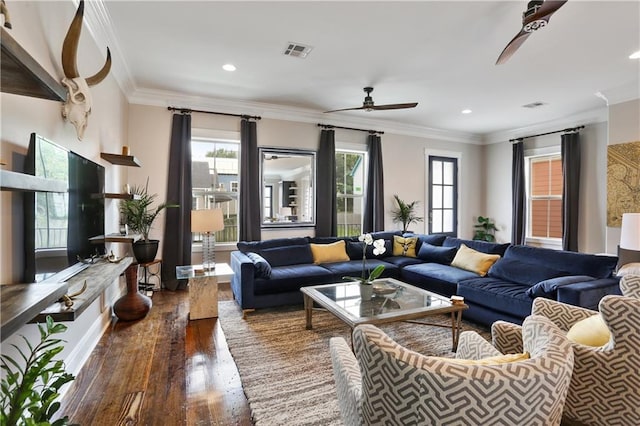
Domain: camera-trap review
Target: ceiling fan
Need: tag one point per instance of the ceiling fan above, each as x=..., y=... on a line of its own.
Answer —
x=535, y=17
x=368, y=104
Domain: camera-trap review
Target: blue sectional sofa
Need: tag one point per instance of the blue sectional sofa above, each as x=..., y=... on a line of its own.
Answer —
x=270, y=273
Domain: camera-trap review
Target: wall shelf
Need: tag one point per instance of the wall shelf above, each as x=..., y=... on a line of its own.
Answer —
x=117, y=196
x=121, y=160
x=13, y=181
x=115, y=238
x=23, y=75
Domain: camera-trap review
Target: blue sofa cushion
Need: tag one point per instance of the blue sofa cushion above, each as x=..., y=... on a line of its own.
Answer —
x=354, y=268
x=517, y=271
x=385, y=235
x=497, y=294
x=354, y=250
x=329, y=240
x=440, y=272
x=483, y=246
x=257, y=246
x=571, y=262
x=291, y=278
x=433, y=239
x=549, y=288
x=437, y=254
x=402, y=261
x=288, y=255
x=261, y=266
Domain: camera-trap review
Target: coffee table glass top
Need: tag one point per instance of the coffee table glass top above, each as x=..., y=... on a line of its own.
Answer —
x=393, y=298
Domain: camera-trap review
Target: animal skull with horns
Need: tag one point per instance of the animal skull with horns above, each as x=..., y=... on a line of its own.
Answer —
x=78, y=105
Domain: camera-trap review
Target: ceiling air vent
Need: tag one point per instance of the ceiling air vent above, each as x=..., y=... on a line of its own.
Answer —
x=298, y=50
x=533, y=105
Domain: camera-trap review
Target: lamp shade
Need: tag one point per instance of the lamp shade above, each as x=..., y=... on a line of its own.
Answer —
x=207, y=220
x=630, y=231
x=285, y=211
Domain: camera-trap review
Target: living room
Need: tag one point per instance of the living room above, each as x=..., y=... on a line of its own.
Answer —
x=131, y=116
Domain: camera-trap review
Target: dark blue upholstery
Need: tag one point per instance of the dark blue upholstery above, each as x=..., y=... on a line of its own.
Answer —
x=402, y=261
x=257, y=246
x=433, y=239
x=527, y=273
x=441, y=279
x=291, y=277
x=430, y=253
x=353, y=268
x=288, y=255
x=497, y=294
x=549, y=288
x=262, y=267
x=354, y=250
x=483, y=246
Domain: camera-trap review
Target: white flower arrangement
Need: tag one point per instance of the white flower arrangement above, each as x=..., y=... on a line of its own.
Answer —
x=378, y=249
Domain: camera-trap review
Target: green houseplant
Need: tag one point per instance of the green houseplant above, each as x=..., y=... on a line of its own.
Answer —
x=29, y=392
x=485, y=229
x=139, y=214
x=405, y=213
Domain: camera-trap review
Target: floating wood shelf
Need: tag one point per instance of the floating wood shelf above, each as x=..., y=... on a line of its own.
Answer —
x=98, y=277
x=13, y=181
x=21, y=303
x=117, y=196
x=121, y=160
x=115, y=238
x=23, y=75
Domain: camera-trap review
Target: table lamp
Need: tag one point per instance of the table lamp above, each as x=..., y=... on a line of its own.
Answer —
x=629, y=248
x=285, y=212
x=207, y=222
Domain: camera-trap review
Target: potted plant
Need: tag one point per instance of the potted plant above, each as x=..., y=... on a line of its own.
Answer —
x=138, y=214
x=485, y=229
x=405, y=213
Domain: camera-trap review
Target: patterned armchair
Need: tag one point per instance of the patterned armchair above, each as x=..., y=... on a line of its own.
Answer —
x=605, y=382
x=385, y=383
x=630, y=286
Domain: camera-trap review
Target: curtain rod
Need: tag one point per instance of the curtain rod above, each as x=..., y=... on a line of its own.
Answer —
x=188, y=110
x=569, y=130
x=329, y=126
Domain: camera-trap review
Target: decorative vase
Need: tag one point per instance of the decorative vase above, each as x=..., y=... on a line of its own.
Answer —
x=145, y=251
x=133, y=305
x=366, y=291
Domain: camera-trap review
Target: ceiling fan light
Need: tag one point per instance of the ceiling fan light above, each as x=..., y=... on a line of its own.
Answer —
x=229, y=67
x=466, y=111
x=635, y=55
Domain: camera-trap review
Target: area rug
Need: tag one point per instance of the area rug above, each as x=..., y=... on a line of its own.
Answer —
x=286, y=370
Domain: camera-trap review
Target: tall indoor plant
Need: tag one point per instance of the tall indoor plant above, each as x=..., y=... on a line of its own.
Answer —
x=485, y=229
x=139, y=214
x=405, y=213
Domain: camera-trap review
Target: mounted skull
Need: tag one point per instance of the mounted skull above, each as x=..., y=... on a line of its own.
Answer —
x=78, y=105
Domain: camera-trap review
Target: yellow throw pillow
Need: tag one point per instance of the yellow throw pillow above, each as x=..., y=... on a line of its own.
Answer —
x=404, y=246
x=492, y=360
x=474, y=261
x=329, y=253
x=590, y=331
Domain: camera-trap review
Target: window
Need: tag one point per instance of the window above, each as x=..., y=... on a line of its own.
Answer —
x=443, y=199
x=267, y=198
x=350, y=181
x=544, y=196
x=214, y=180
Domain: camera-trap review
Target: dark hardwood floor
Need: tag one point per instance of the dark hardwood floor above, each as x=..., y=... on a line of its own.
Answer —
x=162, y=370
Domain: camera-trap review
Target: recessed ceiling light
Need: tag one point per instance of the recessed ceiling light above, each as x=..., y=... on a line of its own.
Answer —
x=229, y=67
x=466, y=111
x=635, y=55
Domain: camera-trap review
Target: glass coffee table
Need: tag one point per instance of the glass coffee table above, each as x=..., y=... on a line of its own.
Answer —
x=392, y=301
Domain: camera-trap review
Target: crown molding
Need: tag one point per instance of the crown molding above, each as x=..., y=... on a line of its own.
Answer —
x=597, y=115
x=623, y=93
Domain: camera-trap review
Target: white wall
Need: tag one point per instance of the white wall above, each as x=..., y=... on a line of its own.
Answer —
x=624, y=126
x=593, y=142
x=40, y=28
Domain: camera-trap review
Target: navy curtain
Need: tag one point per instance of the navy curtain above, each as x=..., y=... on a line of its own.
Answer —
x=326, y=222
x=176, y=247
x=518, y=197
x=249, y=214
x=570, y=148
x=374, y=198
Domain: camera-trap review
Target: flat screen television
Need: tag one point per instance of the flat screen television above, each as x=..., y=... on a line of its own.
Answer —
x=58, y=226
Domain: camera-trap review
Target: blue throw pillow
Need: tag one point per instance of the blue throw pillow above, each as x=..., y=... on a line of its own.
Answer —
x=288, y=255
x=262, y=267
x=521, y=272
x=548, y=288
x=437, y=254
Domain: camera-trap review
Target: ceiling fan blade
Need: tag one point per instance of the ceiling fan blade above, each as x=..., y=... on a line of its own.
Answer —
x=345, y=109
x=395, y=106
x=548, y=8
x=512, y=46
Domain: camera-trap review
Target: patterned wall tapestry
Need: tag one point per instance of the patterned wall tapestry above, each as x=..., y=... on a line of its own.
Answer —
x=623, y=181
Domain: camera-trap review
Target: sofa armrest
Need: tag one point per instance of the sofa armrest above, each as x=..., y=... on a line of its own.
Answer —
x=243, y=280
x=588, y=294
x=507, y=337
x=561, y=314
x=346, y=373
x=474, y=346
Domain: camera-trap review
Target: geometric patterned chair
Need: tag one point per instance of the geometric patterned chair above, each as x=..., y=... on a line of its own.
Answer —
x=387, y=384
x=605, y=385
x=630, y=286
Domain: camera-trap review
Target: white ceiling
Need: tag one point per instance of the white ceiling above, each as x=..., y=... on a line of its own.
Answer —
x=439, y=54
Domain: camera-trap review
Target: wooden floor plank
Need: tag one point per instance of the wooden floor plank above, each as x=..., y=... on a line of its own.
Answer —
x=161, y=370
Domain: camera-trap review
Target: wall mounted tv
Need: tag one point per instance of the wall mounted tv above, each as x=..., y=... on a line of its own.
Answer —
x=58, y=225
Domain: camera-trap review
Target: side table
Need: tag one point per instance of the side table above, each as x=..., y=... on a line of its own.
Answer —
x=203, y=288
x=152, y=272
